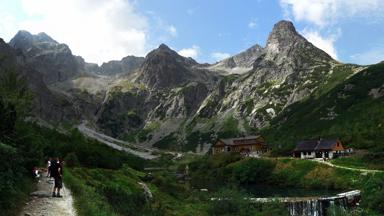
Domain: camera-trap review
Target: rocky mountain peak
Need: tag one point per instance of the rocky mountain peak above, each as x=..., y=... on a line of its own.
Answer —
x=282, y=36
x=164, y=68
x=162, y=51
x=21, y=39
x=239, y=63
x=285, y=26
x=23, y=34
x=24, y=40
x=52, y=59
x=125, y=65
x=42, y=36
x=163, y=47
x=165, y=54
x=284, y=42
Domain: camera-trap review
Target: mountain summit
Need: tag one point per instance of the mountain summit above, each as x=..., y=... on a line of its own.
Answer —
x=165, y=68
x=52, y=59
x=285, y=42
x=282, y=34
x=285, y=71
x=239, y=63
x=24, y=40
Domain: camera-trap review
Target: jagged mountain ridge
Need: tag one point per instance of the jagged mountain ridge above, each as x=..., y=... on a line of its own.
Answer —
x=283, y=73
x=253, y=98
x=170, y=95
x=50, y=58
x=164, y=68
x=239, y=63
x=46, y=104
x=115, y=67
x=57, y=63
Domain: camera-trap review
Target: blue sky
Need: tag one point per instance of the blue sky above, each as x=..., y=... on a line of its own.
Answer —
x=207, y=30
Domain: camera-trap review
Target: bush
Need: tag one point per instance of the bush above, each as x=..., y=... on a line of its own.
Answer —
x=373, y=193
x=107, y=192
x=168, y=185
x=252, y=171
x=15, y=183
x=71, y=160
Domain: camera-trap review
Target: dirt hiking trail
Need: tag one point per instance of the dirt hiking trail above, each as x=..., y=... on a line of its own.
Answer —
x=41, y=202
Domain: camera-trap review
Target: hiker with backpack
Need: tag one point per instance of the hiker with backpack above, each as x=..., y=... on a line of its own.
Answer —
x=56, y=173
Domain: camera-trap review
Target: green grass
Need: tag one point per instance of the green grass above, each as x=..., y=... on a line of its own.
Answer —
x=340, y=73
x=230, y=169
x=106, y=192
x=359, y=162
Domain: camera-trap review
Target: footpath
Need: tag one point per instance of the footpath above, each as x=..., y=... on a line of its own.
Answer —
x=41, y=202
x=349, y=168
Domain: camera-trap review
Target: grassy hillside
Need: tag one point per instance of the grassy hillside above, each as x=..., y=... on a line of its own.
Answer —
x=227, y=170
x=352, y=111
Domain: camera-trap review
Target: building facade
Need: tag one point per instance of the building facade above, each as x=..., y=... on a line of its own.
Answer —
x=247, y=146
x=321, y=148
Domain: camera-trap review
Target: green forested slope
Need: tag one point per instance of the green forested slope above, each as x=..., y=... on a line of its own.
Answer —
x=352, y=111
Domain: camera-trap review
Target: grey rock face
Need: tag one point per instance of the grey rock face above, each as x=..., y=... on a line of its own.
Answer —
x=284, y=43
x=181, y=102
x=248, y=57
x=46, y=104
x=286, y=71
x=163, y=68
x=50, y=58
x=127, y=64
x=239, y=63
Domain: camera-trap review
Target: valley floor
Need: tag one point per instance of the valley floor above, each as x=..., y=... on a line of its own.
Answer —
x=42, y=203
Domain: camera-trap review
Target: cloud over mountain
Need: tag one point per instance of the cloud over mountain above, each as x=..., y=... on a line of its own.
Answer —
x=98, y=30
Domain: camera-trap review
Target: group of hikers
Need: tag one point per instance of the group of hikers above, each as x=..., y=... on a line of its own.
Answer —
x=55, y=171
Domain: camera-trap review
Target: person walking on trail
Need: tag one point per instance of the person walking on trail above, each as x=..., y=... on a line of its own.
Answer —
x=56, y=173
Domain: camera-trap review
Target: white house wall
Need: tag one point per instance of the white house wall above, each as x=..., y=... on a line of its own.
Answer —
x=306, y=156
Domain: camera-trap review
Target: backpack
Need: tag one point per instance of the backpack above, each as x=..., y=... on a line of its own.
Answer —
x=54, y=168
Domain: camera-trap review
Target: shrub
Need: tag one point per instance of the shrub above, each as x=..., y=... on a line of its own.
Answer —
x=71, y=160
x=252, y=171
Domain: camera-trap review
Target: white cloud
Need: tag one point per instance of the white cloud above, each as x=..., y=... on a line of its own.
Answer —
x=218, y=56
x=97, y=30
x=172, y=30
x=325, y=12
x=252, y=24
x=372, y=56
x=324, y=43
x=192, y=52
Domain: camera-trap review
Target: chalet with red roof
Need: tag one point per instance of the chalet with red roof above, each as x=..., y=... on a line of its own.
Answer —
x=247, y=146
x=320, y=148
